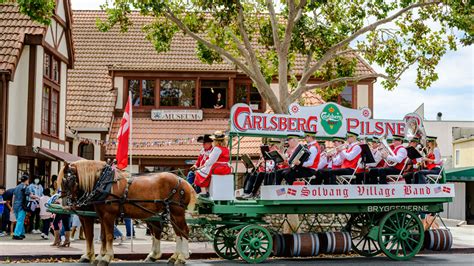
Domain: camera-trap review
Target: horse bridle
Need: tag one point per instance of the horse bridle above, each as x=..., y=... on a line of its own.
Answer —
x=69, y=179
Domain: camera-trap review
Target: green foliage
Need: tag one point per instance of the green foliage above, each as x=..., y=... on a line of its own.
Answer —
x=325, y=31
x=38, y=10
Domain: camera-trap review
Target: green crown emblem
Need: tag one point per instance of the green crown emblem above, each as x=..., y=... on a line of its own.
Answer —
x=331, y=119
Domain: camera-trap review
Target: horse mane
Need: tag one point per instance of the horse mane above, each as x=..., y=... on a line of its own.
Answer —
x=88, y=172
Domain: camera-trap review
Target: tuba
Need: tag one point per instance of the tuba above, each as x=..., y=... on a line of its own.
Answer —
x=386, y=148
x=414, y=128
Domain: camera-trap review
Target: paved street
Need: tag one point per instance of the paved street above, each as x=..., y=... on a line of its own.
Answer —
x=443, y=259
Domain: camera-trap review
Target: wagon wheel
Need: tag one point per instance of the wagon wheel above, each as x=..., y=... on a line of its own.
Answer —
x=254, y=244
x=360, y=226
x=224, y=242
x=401, y=234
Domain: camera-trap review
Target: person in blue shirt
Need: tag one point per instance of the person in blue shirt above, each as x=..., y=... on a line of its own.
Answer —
x=35, y=192
x=19, y=200
x=2, y=207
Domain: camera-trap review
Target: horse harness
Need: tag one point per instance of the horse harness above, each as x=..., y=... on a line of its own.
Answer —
x=102, y=190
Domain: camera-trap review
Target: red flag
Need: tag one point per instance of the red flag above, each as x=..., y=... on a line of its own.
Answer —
x=123, y=138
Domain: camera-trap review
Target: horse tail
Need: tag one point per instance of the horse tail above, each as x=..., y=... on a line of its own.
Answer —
x=193, y=197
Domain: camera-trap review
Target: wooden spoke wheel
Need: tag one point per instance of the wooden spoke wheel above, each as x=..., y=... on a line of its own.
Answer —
x=401, y=234
x=254, y=244
x=224, y=242
x=359, y=226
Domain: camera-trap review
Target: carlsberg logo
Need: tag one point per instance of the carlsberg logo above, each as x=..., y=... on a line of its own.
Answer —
x=331, y=119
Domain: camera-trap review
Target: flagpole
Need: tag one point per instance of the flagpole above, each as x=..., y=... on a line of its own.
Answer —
x=130, y=147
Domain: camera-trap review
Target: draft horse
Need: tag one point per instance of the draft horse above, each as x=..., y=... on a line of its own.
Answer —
x=137, y=197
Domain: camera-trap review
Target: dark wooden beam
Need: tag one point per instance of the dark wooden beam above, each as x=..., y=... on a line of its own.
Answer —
x=30, y=125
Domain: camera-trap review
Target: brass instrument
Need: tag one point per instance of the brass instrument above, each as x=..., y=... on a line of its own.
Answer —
x=385, y=148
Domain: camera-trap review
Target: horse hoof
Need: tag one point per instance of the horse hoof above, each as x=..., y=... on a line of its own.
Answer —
x=84, y=260
x=150, y=259
x=179, y=262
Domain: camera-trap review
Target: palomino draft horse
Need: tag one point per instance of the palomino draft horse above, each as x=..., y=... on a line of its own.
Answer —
x=138, y=197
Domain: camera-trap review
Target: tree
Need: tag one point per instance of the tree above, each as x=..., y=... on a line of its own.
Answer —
x=265, y=39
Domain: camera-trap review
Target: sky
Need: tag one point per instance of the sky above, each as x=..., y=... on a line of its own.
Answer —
x=452, y=94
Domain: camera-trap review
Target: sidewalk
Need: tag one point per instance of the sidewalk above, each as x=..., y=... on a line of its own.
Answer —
x=33, y=245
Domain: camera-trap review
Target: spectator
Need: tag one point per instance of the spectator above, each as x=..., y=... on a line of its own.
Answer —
x=53, y=188
x=19, y=202
x=128, y=227
x=64, y=219
x=6, y=228
x=46, y=216
x=34, y=192
x=2, y=206
x=76, y=223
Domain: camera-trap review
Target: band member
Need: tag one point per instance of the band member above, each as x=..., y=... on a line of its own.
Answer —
x=203, y=156
x=217, y=163
x=265, y=175
x=350, y=157
x=399, y=158
x=413, y=165
x=310, y=166
x=432, y=161
x=336, y=159
x=376, y=153
x=293, y=141
x=323, y=159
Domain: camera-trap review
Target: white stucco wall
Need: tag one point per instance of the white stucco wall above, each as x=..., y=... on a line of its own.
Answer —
x=456, y=209
x=60, y=10
x=38, y=88
x=50, y=33
x=362, y=95
x=11, y=171
x=91, y=136
x=45, y=144
x=54, y=168
x=444, y=131
x=118, y=83
x=62, y=102
x=18, y=101
x=62, y=48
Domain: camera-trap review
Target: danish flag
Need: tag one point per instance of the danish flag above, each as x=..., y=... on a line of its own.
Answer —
x=446, y=189
x=123, y=138
x=291, y=191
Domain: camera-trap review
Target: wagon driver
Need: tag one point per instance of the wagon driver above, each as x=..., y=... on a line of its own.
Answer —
x=217, y=163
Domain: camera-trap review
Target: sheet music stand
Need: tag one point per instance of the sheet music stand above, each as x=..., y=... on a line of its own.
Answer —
x=413, y=153
x=247, y=162
x=264, y=149
x=366, y=157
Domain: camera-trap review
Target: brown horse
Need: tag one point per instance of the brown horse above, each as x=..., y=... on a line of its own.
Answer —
x=79, y=178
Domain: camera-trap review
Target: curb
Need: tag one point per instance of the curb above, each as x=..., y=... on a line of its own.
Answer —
x=193, y=256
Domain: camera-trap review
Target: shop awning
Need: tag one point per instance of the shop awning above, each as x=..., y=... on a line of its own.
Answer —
x=462, y=174
x=59, y=155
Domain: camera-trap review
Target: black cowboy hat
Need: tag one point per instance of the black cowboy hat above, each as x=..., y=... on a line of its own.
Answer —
x=204, y=139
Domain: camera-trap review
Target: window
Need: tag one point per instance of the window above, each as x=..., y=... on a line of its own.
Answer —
x=344, y=99
x=50, y=111
x=86, y=151
x=51, y=68
x=178, y=93
x=457, y=159
x=47, y=65
x=214, y=94
x=247, y=93
x=143, y=92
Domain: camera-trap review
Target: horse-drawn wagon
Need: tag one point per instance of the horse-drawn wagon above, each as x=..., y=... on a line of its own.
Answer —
x=372, y=219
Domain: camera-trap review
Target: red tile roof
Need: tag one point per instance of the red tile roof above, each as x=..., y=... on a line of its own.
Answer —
x=13, y=28
x=149, y=136
x=90, y=101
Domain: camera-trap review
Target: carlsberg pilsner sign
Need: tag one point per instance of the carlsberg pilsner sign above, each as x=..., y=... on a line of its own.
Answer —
x=329, y=120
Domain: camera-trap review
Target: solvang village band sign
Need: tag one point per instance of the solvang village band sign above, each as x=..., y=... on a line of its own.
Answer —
x=329, y=120
x=329, y=192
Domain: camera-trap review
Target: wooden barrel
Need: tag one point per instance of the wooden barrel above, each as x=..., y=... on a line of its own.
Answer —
x=282, y=244
x=335, y=242
x=438, y=239
x=305, y=245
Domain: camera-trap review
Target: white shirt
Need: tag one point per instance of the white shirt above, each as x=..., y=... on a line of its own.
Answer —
x=399, y=156
x=353, y=153
x=323, y=162
x=437, y=154
x=337, y=160
x=213, y=156
x=313, y=152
